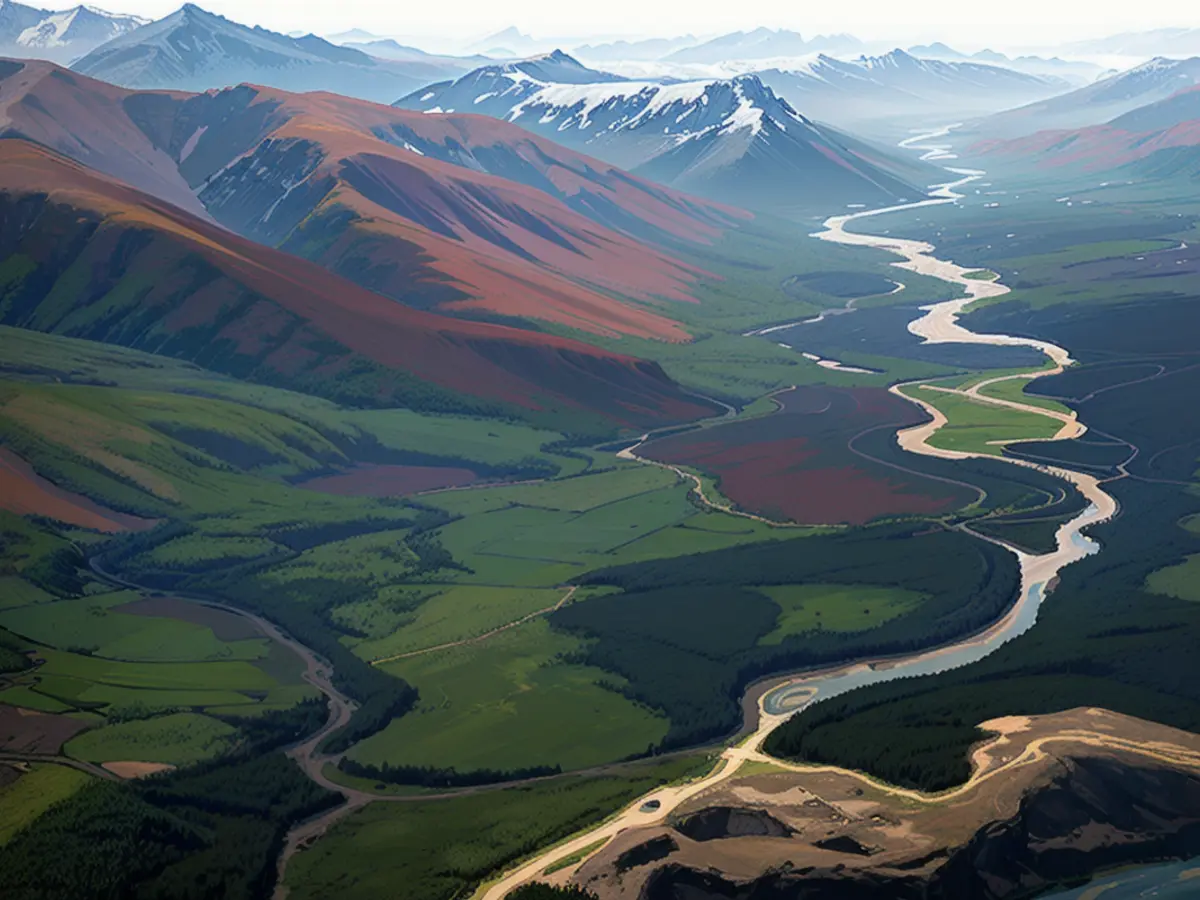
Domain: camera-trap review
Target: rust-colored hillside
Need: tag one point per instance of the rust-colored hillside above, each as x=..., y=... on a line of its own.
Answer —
x=456, y=212
x=90, y=257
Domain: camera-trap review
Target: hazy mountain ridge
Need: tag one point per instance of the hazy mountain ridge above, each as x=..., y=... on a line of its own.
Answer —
x=1097, y=103
x=649, y=49
x=1159, y=139
x=1157, y=42
x=1075, y=71
x=897, y=86
x=196, y=50
x=59, y=35
x=763, y=43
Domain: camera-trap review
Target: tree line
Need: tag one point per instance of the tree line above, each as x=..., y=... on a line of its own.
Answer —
x=684, y=632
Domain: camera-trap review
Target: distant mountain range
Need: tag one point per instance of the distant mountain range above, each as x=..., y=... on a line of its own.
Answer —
x=1161, y=139
x=353, y=35
x=651, y=49
x=195, y=50
x=873, y=92
x=508, y=43
x=1097, y=103
x=62, y=35
x=387, y=48
x=763, y=43
x=732, y=139
x=1076, y=72
x=1159, y=42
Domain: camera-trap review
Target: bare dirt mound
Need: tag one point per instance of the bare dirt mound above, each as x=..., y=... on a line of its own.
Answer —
x=134, y=769
x=28, y=731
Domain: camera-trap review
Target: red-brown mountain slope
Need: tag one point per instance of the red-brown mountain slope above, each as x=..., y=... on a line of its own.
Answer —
x=1165, y=131
x=458, y=212
x=90, y=257
x=86, y=120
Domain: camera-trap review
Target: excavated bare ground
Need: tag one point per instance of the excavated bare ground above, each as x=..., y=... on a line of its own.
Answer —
x=841, y=820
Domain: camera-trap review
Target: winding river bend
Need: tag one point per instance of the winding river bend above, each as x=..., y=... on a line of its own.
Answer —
x=940, y=325
x=784, y=697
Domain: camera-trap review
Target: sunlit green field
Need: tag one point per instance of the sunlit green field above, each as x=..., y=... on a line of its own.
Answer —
x=835, y=607
x=33, y=793
x=975, y=426
x=177, y=739
x=451, y=613
x=513, y=701
x=1014, y=390
x=1182, y=580
x=452, y=845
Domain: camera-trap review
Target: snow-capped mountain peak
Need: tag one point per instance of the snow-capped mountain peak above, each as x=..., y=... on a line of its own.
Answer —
x=879, y=93
x=732, y=139
x=59, y=35
x=83, y=23
x=556, y=93
x=683, y=110
x=555, y=67
x=50, y=32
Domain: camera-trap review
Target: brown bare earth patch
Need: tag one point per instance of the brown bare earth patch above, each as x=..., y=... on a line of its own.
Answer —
x=797, y=464
x=389, y=481
x=133, y=769
x=29, y=731
x=24, y=492
x=226, y=626
x=1092, y=771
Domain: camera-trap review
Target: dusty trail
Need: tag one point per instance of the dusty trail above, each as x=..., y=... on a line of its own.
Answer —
x=7, y=756
x=939, y=325
x=984, y=770
x=563, y=601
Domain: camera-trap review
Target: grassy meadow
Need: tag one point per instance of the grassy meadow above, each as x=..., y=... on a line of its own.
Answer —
x=453, y=845
x=975, y=426
x=36, y=791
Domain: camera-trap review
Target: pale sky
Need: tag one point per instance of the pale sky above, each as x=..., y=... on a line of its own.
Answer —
x=970, y=25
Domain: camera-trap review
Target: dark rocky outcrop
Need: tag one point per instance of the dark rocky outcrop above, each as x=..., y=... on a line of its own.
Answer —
x=1090, y=814
x=651, y=851
x=1095, y=814
x=726, y=822
x=843, y=843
